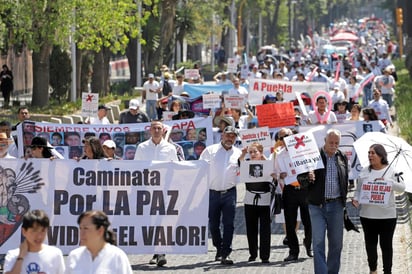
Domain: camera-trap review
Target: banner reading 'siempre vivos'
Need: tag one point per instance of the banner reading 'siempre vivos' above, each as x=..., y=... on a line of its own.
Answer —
x=154, y=207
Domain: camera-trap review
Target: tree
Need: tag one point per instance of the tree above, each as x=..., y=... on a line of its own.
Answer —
x=100, y=25
x=60, y=69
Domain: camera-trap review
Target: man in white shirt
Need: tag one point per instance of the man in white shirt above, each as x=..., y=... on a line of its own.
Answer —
x=150, y=95
x=101, y=118
x=223, y=159
x=322, y=115
x=156, y=149
x=222, y=79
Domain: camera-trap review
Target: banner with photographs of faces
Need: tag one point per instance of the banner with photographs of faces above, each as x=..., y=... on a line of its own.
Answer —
x=191, y=136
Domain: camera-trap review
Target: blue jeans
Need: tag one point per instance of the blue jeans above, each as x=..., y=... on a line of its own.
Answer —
x=222, y=205
x=367, y=96
x=388, y=99
x=327, y=217
x=151, y=109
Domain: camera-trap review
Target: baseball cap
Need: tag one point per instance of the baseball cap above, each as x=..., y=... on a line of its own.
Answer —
x=270, y=97
x=151, y=75
x=134, y=104
x=109, y=144
x=230, y=129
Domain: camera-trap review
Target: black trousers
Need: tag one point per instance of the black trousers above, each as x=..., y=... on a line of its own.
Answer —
x=293, y=199
x=382, y=230
x=258, y=222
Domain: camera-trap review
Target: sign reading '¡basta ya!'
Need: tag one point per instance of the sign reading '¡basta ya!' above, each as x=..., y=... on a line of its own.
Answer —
x=152, y=210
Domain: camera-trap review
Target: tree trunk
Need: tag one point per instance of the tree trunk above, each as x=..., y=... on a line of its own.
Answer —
x=168, y=13
x=100, y=77
x=131, y=53
x=41, y=66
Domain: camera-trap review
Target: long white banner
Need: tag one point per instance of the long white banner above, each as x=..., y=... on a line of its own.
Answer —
x=154, y=207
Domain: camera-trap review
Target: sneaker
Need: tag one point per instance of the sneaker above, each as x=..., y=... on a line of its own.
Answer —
x=291, y=258
x=226, y=260
x=161, y=260
x=218, y=257
x=153, y=260
x=251, y=259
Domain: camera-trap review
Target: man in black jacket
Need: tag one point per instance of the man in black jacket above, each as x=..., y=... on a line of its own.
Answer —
x=327, y=198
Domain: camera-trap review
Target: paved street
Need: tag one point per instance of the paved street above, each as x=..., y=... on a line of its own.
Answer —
x=353, y=255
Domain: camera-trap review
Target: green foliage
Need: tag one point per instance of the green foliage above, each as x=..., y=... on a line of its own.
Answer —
x=403, y=101
x=121, y=88
x=109, y=24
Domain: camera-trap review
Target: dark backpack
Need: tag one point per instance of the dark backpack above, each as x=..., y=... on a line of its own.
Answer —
x=167, y=89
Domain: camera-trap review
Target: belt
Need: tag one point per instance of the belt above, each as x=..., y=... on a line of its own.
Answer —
x=223, y=191
x=330, y=200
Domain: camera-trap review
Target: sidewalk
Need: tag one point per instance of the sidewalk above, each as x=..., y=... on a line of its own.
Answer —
x=353, y=254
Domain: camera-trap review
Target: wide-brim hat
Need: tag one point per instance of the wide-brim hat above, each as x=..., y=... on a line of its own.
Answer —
x=39, y=142
x=188, y=113
x=218, y=119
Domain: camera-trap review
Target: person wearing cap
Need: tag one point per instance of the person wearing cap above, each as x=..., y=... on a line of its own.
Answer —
x=134, y=114
x=321, y=115
x=40, y=148
x=151, y=91
x=384, y=61
x=221, y=78
x=101, y=118
x=162, y=105
x=223, y=159
x=109, y=147
x=156, y=149
x=341, y=110
x=336, y=94
x=269, y=99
